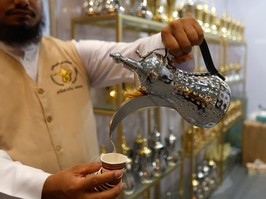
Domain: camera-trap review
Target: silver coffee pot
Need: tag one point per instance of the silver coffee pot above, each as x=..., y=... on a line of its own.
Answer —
x=202, y=99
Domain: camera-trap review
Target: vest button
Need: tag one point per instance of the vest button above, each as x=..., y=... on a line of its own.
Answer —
x=49, y=119
x=58, y=148
x=40, y=91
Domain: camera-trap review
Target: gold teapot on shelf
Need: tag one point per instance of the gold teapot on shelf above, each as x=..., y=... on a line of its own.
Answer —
x=202, y=99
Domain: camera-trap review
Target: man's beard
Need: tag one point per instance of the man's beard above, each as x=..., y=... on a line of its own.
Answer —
x=21, y=36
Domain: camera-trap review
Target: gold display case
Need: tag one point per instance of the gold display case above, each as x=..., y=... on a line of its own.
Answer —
x=194, y=140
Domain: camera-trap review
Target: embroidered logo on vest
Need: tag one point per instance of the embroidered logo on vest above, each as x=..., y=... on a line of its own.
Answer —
x=64, y=73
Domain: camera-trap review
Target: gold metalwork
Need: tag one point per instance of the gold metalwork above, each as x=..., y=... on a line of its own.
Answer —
x=125, y=147
x=171, y=10
x=199, y=13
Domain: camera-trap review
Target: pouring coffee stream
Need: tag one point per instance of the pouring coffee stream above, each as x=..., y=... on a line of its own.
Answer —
x=202, y=99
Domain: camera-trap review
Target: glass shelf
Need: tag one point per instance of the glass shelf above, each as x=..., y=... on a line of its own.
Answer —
x=104, y=109
x=229, y=162
x=201, y=146
x=120, y=21
x=231, y=125
x=141, y=188
x=138, y=24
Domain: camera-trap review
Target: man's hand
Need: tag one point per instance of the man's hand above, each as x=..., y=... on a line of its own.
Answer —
x=180, y=35
x=76, y=183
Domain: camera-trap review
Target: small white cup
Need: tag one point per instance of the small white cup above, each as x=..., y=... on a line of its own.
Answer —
x=111, y=161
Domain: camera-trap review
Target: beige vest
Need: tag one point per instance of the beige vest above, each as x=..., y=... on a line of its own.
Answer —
x=50, y=124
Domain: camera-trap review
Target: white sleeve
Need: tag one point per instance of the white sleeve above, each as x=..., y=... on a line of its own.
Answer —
x=101, y=68
x=19, y=181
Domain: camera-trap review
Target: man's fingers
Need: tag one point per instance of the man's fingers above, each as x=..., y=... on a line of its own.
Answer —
x=86, y=169
x=192, y=35
x=193, y=30
x=183, y=41
x=172, y=45
x=200, y=33
x=99, y=179
x=181, y=35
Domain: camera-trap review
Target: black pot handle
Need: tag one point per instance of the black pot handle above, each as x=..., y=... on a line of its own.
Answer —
x=208, y=59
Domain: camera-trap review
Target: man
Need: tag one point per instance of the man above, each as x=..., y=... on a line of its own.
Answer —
x=48, y=142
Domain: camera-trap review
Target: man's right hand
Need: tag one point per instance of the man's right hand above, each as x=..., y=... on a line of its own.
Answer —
x=77, y=183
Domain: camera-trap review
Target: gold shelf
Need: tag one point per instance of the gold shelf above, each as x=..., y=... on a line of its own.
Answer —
x=229, y=126
x=138, y=24
x=120, y=21
x=211, y=38
x=131, y=22
x=236, y=82
x=103, y=111
x=229, y=161
x=141, y=188
x=235, y=42
x=200, y=146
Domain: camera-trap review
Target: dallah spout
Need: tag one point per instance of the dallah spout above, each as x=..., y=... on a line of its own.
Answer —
x=135, y=104
x=129, y=63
